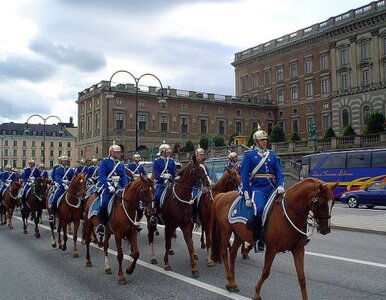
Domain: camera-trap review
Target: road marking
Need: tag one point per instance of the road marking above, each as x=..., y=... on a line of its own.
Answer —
x=172, y=274
x=357, y=261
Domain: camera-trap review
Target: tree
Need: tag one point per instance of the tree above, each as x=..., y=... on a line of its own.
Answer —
x=250, y=140
x=277, y=134
x=330, y=133
x=219, y=141
x=189, y=146
x=204, y=143
x=295, y=137
x=349, y=131
x=178, y=147
x=375, y=124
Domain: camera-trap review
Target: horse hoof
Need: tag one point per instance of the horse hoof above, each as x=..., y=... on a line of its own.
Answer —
x=171, y=252
x=153, y=261
x=195, y=274
x=157, y=232
x=75, y=255
x=195, y=256
x=53, y=245
x=64, y=248
x=203, y=246
x=167, y=268
x=88, y=264
x=100, y=244
x=60, y=246
x=122, y=281
x=210, y=264
x=11, y=227
x=245, y=256
x=25, y=231
x=108, y=271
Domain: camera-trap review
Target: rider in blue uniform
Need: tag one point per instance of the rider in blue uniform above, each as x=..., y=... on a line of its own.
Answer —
x=164, y=170
x=28, y=176
x=92, y=171
x=81, y=168
x=43, y=171
x=6, y=178
x=261, y=175
x=135, y=167
x=112, y=176
x=63, y=175
x=232, y=163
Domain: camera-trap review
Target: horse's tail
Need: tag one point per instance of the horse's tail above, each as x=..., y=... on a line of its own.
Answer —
x=215, y=234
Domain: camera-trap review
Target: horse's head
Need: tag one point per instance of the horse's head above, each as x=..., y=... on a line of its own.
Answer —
x=233, y=179
x=194, y=173
x=143, y=188
x=15, y=187
x=77, y=187
x=41, y=187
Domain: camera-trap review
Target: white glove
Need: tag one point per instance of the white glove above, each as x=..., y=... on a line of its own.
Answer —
x=65, y=181
x=66, y=187
x=111, y=189
x=280, y=190
x=166, y=176
x=248, y=201
x=32, y=178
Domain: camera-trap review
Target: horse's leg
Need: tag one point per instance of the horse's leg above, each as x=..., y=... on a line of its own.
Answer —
x=134, y=252
x=224, y=242
x=268, y=260
x=118, y=243
x=59, y=235
x=87, y=228
x=151, y=229
x=24, y=216
x=206, y=229
x=202, y=239
x=53, y=239
x=75, y=253
x=298, y=254
x=168, y=244
x=232, y=257
x=37, y=215
x=65, y=237
x=106, y=251
x=9, y=213
x=187, y=231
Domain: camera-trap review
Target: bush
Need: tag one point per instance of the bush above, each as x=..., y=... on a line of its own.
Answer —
x=330, y=133
x=219, y=141
x=295, y=137
x=204, y=142
x=375, y=123
x=349, y=131
x=188, y=146
x=277, y=134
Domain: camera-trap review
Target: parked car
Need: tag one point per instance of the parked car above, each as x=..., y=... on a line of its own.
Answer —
x=373, y=195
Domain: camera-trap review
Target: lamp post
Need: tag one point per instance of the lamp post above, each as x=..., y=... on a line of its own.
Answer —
x=161, y=99
x=44, y=130
x=2, y=150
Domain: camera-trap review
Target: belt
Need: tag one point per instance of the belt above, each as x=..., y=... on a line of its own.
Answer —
x=263, y=176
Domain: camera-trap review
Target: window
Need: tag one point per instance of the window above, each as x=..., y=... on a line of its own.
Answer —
x=119, y=117
x=326, y=122
x=51, y=144
x=203, y=126
x=366, y=114
x=89, y=123
x=33, y=144
x=267, y=77
x=60, y=144
x=164, y=124
x=42, y=153
x=244, y=85
x=309, y=88
x=221, y=127
x=255, y=98
x=24, y=143
x=238, y=127
x=295, y=125
x=293, y=70
x=14, y=152
x=5, y=152
x=97, y=121
x=24, y=153
x=310, y=121
x=344, y=81
x=119, y=101
x=379, y=159
x=324, y=61
x=280, y=95
x=184, y=107
x=384, y=46
x=325, y=86
x=255, y=80
x=294, y=92
x=365, y=77
x=68, y=144
x=343, y=57
x=308, y=66
x=267, y=96
x=184, y=125
x=345, y=118
x=82, y=126
x=238, y=112
x=358, y=160
x=364, y=51
x=141, y=122
x=279, y=74
x=14, y=143
x=333, y=161
x=33, y=153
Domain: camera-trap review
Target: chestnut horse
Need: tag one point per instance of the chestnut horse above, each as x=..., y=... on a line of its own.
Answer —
x=176, y=211
x=70, y=210
x=35, y=203
x=286, y=229
x=229, y=181
x=9, y=202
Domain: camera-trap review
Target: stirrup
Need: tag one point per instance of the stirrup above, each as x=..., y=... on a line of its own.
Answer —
x=100, y=229
x=51, y=218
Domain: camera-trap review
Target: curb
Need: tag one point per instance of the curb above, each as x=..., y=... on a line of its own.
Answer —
x=365, y=230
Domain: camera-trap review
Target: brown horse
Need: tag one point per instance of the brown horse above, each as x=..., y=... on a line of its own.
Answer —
x=35, y=203
x=177, y=211
x=229, y=181
x=286, y=229
x=70, y=210
x=9, y=202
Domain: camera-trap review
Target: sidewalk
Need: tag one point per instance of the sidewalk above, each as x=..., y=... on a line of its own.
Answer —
x=359, y=219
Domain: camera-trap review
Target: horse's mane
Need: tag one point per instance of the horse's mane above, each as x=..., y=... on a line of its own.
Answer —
x=182, y=171
x=79, y=175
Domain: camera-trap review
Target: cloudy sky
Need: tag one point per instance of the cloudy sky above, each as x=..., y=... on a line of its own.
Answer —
x=52, y=49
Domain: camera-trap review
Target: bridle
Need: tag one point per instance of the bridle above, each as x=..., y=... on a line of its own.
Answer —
x=79, y=193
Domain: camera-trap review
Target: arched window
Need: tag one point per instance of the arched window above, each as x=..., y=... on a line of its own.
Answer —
x=366, y=114
x=345, y=118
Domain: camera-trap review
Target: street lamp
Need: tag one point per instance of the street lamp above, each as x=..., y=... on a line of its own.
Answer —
x=26, y=130
x=161, y=99
x=2, y=150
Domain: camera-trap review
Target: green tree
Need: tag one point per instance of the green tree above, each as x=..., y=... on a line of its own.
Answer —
x=295, y=137
x=250, y=140
x=277, y=134
x=375, y=124
x=330, y=133
x=349, y=131
x=219, y=141
x=204, y=142
x=188, y=146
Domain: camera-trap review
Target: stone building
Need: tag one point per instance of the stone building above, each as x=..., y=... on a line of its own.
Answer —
x=328, y=74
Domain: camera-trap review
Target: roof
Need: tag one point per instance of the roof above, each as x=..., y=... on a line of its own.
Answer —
x=27, y=129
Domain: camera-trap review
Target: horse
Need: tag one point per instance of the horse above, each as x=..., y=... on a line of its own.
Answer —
x=70, y=210
x=35, y=203
x=176, y=211
x=9, y=202
x=229, y=181
x=286, y=229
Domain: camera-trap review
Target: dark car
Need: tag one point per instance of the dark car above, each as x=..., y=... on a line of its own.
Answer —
x=373, y=195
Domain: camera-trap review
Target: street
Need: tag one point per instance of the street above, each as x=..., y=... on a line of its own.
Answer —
x=341, y=265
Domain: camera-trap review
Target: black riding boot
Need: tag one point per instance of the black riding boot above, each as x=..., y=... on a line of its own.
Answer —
x=51, y=217
x=103, y=219
x=259, y=227
x=194, y=212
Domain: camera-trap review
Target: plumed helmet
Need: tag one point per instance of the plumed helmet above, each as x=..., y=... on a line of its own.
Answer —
x=31, y=161
x=41, y=165
x=8, y=167
x=82, y=161
x=260, y=134
x=65, y=158
x=136, y=156
x=94, y=160
x=232, y=154
x=200, y=151
x=164, y=148
x=115, y=148
x=59, y=158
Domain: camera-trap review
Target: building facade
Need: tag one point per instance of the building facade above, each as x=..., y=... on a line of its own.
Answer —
x=329, y=74
x=21, y=142
x=186, y=115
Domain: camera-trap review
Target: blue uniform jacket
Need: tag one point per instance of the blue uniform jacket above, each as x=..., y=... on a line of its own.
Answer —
x=106, y=166
x=92, y=170
x=27, y=173
x=61, y=172
x=8, y=176
x=159, y=166
x=136, y=168
x=81, y=169
x=229, y=165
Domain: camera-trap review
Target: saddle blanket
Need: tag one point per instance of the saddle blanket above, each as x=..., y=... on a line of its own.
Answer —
x=51, y=200
x=95, y=206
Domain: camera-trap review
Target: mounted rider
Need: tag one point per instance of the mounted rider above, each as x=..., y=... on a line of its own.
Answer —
x=28, y=176
x=43, y=171
x=81, y=167
x=112, y=176
x=55, y=167
x=232, y=163
x=164, y=171
x=62, y=177
x=135, y=167
x=92, y=171
x=6, y=178
x=261, y=175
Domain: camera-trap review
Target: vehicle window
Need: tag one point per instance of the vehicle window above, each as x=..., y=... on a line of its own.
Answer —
x=335, y=161
x=358, y=160
x=314, y=161
x=379, y=159
x=376, y=186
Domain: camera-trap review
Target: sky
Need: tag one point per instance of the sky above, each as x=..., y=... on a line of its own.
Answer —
x=52, y=49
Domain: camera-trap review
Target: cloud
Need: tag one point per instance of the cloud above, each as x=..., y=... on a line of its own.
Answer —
x=81, y=59
x=21, y=67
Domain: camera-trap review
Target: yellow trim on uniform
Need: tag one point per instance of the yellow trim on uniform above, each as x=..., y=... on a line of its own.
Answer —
x=263, y=176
